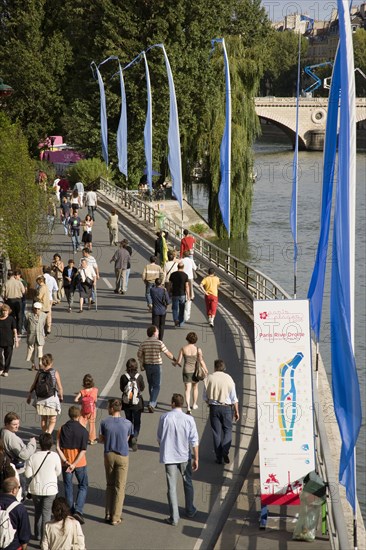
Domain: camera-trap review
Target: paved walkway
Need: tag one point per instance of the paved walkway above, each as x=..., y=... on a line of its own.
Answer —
x=100, y=342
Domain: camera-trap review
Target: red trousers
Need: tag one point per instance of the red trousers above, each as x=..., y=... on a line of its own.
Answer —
x=211, y=305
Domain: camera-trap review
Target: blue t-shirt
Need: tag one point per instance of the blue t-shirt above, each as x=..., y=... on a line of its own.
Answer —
x=116, y=431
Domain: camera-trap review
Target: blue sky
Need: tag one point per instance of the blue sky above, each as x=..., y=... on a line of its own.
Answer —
x=277, y=9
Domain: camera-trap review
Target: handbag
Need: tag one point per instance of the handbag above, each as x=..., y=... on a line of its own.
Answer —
x=168, y=285
x=199, y=373
x=88, y=281
x=29, y=481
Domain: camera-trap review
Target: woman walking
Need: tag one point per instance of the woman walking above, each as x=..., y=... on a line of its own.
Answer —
x=87, y=279
x=132, y=385
x=64, y=531
x=191, y=354
x=88, y=397
x=48, y=394
x=87, y=233
x=57, y=268
x=42, y=470
x=8, y=339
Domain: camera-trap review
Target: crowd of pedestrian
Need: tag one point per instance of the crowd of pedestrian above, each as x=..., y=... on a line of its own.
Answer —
x=26, y=469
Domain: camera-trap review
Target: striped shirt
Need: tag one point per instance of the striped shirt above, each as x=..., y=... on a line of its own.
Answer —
x=149, y=352
x=152, y=272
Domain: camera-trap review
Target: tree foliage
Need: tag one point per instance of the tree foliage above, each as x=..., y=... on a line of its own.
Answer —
x=46, y=48
x=88, y=171
x=23, y=203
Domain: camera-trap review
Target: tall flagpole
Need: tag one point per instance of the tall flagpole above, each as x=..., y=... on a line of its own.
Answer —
x=295, y=171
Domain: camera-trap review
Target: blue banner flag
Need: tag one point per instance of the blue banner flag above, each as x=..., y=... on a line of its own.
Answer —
x=225, y=148
x=122, y=129
x=103, y=115
x=346, y=389
x=148, y=127
x=316, y=288
x=174, y=156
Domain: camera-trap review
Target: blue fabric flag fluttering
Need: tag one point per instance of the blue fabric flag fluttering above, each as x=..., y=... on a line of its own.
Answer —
x=346, y=388
x=174, y=156
x=103, y=115
x=225, y=148
x=122, y=129
x=316, y=288
x=148, y=127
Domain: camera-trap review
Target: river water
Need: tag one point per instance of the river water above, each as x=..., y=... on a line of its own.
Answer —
x=270, y=246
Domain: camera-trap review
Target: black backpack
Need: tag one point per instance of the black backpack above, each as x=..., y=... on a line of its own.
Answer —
x=44, y=385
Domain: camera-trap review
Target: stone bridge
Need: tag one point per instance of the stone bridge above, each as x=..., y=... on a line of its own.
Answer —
x=281, y=111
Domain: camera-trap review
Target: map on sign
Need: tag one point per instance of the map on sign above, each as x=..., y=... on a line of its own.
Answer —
x=287, y=396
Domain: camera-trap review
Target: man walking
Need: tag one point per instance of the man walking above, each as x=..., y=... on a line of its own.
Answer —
x=210, y=286
x=149, y=356
x=152, y=271
x=115, y=432
x=13, y=293
x=187, y=243
x=180, y=294
x=177, y=435
x=91, y=203
x=121, y=259
x=35, y=325
x=220, y=394
x=72, y=442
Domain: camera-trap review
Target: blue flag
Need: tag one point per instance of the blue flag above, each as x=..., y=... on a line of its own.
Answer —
x=316, y=288
x=122, y=129
x=103, y=117
x=225, y=148
x=346, y=388
x=148, y=127
x=174, y=156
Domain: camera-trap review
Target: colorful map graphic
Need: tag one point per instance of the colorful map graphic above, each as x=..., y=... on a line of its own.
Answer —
x=287, y=396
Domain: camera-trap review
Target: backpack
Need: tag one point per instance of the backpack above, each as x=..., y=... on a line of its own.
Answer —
x=130, y=394
x=44, y=385
x=87, y=404
x=7, y=531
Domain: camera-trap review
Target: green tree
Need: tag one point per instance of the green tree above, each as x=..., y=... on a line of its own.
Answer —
x=34, y=63
x=244, y=76
x=88, y=171
x=23, y=203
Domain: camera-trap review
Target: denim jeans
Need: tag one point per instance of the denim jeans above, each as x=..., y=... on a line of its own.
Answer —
x=153, y=375
x=178, y=304
x=42, y=513
x=65, y=224
x=82, y=478
x=147, y=292
x=171, y=471
x=128, y=271
x=75, y=241
x=221, y=420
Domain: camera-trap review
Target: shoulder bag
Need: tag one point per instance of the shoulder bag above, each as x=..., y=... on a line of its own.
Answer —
x=199, y=374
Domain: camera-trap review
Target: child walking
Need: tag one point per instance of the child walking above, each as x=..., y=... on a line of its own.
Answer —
x=88, y=398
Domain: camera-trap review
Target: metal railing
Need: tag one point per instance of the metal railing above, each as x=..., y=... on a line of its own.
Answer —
x=254, y=285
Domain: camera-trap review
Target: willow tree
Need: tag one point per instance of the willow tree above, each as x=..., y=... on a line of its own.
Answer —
x=245, y=71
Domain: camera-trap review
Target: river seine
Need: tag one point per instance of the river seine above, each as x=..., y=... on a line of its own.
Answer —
x=270, y=246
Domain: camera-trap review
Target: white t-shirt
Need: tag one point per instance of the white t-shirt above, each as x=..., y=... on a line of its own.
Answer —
x=45, y=482
x=91, y=198
x=189, y=266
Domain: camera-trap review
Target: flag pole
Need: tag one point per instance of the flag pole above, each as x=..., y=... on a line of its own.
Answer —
x=295, y=170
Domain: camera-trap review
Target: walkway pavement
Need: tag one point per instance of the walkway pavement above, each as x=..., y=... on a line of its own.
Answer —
x=100, y=342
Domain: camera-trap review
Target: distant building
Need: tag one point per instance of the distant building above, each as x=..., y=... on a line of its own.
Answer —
x=58, y=153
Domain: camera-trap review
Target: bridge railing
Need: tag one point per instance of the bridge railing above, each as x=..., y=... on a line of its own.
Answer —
x=253, y=285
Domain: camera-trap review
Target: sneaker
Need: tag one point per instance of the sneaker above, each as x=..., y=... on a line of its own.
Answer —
x=5, y=374
x=1, y=371
x=134, y=444
x=150, y=409
x=79, y=517
x=169, y=521
x=194, y=407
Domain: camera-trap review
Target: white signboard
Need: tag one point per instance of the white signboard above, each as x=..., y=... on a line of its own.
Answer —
x=284, y=398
